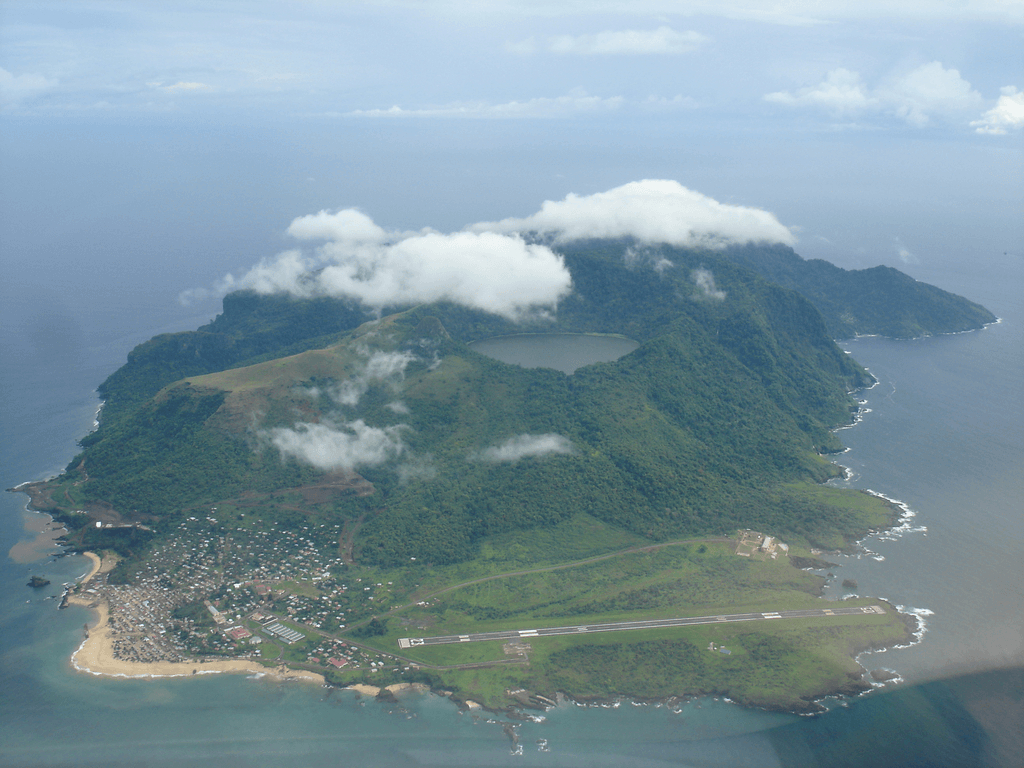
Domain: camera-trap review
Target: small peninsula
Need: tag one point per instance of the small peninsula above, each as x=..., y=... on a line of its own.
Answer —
x=304, y=489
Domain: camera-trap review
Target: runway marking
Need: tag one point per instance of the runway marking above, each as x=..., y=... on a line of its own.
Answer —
x=617, y=626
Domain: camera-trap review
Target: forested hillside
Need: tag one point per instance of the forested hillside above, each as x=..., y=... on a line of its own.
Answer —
x=878, y=301
x=252, y=327
x=728, y=401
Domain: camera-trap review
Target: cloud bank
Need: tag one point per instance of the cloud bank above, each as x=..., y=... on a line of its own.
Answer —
x=915, y=96
x=652, y=211
x=494, y=272
x=489, y=266
x=523, y=446
x=345, y=446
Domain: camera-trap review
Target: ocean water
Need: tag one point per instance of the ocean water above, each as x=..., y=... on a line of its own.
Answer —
x=942, y=433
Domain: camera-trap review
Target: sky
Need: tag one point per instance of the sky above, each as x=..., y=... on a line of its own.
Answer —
x=153, y=155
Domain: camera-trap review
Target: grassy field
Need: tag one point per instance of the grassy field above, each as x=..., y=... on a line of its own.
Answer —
x=779, y=664
x=586, y=571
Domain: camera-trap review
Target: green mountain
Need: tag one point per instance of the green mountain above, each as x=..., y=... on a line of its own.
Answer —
x=397, y=427
x=256, y=327
x=878, y=301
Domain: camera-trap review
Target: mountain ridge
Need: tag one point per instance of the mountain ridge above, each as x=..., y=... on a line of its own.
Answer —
x=731, y=396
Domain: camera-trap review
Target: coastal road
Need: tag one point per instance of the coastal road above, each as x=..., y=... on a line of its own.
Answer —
x=618, y=626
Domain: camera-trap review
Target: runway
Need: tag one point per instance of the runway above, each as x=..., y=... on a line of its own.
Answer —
x=619, y=626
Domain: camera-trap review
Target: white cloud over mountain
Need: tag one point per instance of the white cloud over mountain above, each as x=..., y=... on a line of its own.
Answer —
x=380, y=368
x=489, y=265
x=523, y=446
x=704, y=279
x=345, y=446
x=494, y=272
x=652, y=210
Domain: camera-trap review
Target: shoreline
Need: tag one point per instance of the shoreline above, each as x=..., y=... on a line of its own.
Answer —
x=95, y=566
x=95, y=656
x=48, y=533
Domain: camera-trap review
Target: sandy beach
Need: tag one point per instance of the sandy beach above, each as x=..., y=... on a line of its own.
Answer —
x=96, y=656
x=96, y=565
x=365, y=690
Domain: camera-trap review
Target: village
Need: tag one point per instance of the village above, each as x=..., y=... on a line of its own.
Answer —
x=217, y=592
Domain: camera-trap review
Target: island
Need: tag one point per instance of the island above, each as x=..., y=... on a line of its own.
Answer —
x=304, y=488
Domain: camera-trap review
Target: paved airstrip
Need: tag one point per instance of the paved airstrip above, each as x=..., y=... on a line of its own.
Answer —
x=618, y=626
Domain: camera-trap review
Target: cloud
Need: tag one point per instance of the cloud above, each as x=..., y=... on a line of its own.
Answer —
x=16, y=88
x=573, y=103
x=790, y=13
x=841, y=92
x=186, y=86
x=379, y=368
x=349, y=224
x=523, y=446
x=705, y=281
x=914, y=96
x=417, y=468
x=484, y=270
x=1007, y=113
x=646, y=255
x=288, y=272
x=652, y=211
x=345, y=446
x=904, y=254
x=927, y=90
x=631, y=42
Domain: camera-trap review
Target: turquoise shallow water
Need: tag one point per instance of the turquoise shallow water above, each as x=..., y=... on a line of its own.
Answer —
x=943, y=435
